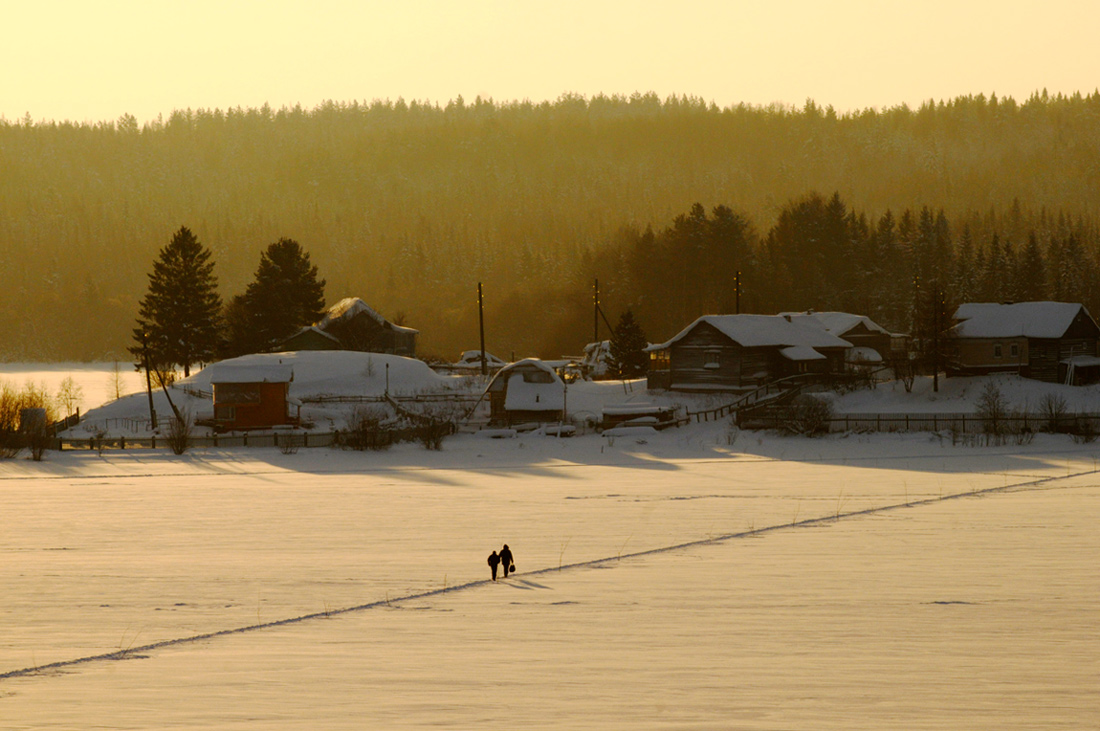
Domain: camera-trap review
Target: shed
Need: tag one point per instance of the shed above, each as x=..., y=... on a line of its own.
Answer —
x=310, y=338
x=526, y=391
x=253, y=397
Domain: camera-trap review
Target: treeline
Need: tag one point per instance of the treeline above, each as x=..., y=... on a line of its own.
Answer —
x=907, y=271
x=409, y=205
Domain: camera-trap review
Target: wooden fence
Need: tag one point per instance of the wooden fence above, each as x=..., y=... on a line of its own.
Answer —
x=939, y=422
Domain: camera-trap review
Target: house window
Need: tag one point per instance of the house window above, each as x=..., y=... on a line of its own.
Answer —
x=1014, y=350
x=996, y=350
x=712, y=358
x=659, y=360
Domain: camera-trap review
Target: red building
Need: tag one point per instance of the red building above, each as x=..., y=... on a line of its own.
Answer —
x=253, y=397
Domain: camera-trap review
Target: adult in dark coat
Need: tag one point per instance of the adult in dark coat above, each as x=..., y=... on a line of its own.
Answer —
x=494, y=561
x=506, y=560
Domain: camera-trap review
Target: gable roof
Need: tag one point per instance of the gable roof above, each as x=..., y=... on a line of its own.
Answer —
x=1047, y=320
x=349, y=307
x=754, y=331
x=837, y=323
x=314, y=330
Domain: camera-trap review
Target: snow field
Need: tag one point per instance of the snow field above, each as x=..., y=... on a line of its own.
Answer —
x=979, y=612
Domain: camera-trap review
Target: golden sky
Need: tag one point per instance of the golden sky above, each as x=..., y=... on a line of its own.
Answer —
x=92, y=61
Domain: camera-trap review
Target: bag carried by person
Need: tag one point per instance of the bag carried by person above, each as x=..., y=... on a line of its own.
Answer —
x=512, y=569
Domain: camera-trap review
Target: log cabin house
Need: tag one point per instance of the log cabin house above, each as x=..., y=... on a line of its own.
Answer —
x=1056, y=342
x=741, y=352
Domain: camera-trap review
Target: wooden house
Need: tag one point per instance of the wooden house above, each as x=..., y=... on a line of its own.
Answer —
x=872, y=344
x=253, y=397
x=352, y=325
x=527, y=391
x=739, y=352
x=1055, y=342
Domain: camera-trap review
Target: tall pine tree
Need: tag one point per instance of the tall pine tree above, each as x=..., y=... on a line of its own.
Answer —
x=285, y=296
x=628, y=358
x=178, y=320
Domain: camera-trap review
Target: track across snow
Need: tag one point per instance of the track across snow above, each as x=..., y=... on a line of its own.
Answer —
x=140, y=652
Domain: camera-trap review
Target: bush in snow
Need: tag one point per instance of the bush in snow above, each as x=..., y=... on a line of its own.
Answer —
x=367, y=430
x=179, y=432
x=993, y=410
x=809, y=416
x=1053, y=407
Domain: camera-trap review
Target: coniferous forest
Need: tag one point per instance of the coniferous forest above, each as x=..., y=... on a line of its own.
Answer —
x=410, y=205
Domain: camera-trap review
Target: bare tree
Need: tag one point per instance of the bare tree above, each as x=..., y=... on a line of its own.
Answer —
x=70, y=395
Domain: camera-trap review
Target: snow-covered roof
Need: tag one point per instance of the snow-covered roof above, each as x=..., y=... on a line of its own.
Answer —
x=864, y=355
x=253, y=373
x=1019, y=319
x=801, y=352
x=1082, y=361
x=524, y=396
x=473, y=357
x=753, y=331
x=314, y=329
x=837, y=323
x=349, y=307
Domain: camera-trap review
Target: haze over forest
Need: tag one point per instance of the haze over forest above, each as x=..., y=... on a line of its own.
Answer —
x=410, y=205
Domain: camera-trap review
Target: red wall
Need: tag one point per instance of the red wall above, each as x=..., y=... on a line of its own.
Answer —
x=270, y=411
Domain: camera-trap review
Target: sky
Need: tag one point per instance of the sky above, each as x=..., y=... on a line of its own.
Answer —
x=92, y=62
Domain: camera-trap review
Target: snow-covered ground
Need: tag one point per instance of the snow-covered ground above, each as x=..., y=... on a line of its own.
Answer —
x=694, y=578
x=960, y=395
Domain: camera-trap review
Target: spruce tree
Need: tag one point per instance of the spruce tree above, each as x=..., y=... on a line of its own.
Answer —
x=628, y=358
x=178, y=318
x=285, y=296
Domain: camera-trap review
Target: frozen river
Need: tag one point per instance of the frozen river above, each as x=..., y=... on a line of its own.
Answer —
x=806, y=584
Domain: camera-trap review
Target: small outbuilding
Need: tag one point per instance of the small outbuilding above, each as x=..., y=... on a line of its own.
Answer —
x=253, y=397
x=527, y=391
x=310, y=338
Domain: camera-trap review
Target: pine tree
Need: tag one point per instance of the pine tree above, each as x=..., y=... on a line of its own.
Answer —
x=178, y=320
x=1031, y=285
x=628, y=358
x=285, y=296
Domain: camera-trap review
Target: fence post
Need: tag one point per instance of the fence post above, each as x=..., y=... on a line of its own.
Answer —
x=153, y=442
x=122, y=443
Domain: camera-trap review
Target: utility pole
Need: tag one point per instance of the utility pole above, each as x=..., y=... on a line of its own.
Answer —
x=481, y=327
x=737, y=291
x=148, y=381
x=596, y=313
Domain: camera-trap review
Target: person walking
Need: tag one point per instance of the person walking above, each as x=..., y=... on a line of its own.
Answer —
x=506, y=560
x=494, y=561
